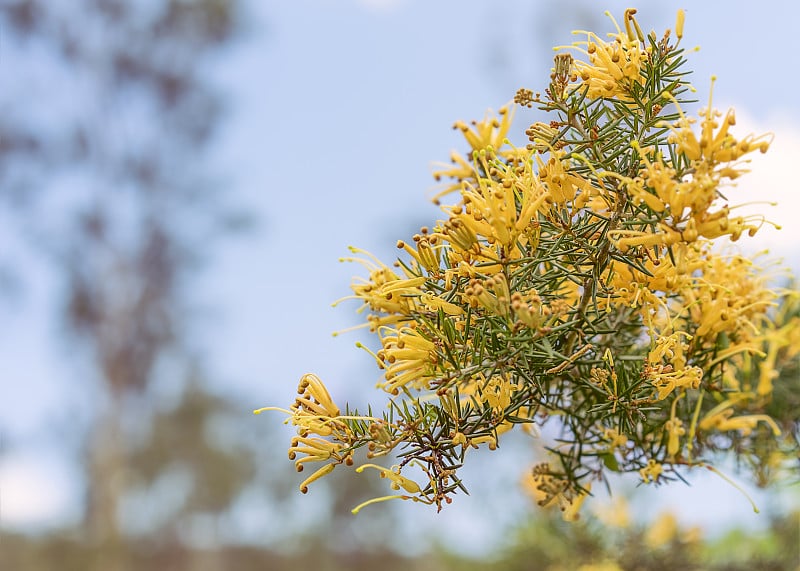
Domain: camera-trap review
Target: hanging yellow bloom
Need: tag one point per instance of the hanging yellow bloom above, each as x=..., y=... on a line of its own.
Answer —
x=322, y=436
x=721, y=419
x=674, y=428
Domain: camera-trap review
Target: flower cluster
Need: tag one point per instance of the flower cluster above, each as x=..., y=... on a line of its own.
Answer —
x=574, y=279
x=321, y=434
x=613, y=67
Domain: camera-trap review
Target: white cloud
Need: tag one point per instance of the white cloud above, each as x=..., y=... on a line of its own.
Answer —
x=34, y=492
x=773, y=177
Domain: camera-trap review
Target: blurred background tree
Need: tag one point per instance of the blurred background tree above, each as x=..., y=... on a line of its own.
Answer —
x=105, y=173
x=102, y=163
x=107, y=176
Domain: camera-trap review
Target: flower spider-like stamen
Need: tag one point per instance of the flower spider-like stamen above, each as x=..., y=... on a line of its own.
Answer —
x=397, y=479
x=489, y=133
x=311, y=386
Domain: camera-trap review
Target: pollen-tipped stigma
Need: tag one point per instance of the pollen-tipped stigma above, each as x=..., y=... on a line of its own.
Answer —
x=393, y=474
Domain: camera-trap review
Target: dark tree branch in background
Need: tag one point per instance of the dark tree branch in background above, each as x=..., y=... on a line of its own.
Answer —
x=102, y=162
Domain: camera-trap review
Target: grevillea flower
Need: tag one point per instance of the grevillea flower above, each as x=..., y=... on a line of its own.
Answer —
x=612, y=66
x=574, y=279
x=410, y=359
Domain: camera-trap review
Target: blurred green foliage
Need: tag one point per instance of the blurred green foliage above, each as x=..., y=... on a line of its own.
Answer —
x=542, y=543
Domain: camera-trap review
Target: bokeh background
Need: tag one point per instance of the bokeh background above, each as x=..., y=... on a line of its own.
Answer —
x=178, y=180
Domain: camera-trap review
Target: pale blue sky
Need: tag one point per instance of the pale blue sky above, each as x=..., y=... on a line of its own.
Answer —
x=338, y=109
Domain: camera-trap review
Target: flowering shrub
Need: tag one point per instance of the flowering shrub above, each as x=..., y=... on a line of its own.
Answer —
x=574, y=279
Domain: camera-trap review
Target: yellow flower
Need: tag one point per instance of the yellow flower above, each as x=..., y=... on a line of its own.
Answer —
x=613, y=66
x=492, y=294
x=679, y=24
x=714, y=148
x=316, y=449
x=528, y=308
x=459, y=234
x=315, y=413
x=489, y=133
x=460, y=438
x=784, y=338
x=561, y=184
x=410, y=360
x=426, y=254
x=665, y=380
x=541, y=135
x=684, y=201
x=721, y=419
x=670, y=348
x=675, y=430
x=486, y=135
x=571, y=507
x=544, y=486
x=397, y=479
x=728, y=296
x=662, y=531
x=501, y=208
x=550, y=489
x=674, y=374
x=613, y=436
x=489, y=439
x=651, y=472
x=614, y=514
x=496, y=392
x=384, y=291
x=323, y=471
